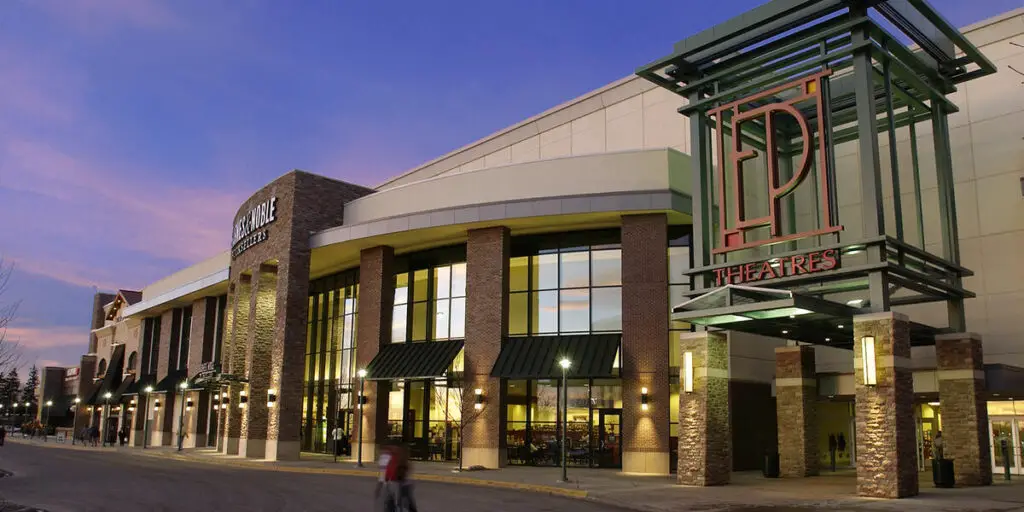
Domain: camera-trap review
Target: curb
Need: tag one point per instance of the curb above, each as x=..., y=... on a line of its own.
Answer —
x=423, y=477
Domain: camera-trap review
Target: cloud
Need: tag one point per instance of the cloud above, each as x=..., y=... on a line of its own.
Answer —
x=45, y=337
x=96, y=18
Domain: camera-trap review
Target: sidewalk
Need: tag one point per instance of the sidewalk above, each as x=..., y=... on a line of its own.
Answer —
x=748, y=490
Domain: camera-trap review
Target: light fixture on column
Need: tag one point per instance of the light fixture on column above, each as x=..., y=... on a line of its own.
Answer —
x=225, y=400
x=131, y=405
x=156, y=405
x=188, y=404
x=271, y=397
x=643, y=399
x=479, y=399
x=867, y=353
x=242, y=399
x=688, y=372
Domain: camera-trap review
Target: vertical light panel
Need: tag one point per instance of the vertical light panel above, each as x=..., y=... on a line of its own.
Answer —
x=867, y=352
x=688, y=372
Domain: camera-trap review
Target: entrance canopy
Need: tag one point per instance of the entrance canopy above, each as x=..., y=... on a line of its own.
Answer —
x=782, y=314
x=424, y=360
x=538, y=357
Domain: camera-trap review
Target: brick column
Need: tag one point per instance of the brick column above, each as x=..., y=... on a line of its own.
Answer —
x=886, y=437
x=162, y=428
x=86, y=387
x=138, y=418
x=487, y=252
x=644, y=352
x=253, y=435
x=376, y=304
x=964, y=412
x=239, y=346
x=705, y=431
x=225, y=364
x=795, y=398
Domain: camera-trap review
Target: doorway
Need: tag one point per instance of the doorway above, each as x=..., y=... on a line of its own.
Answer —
x=608, y=451
x=1005, y=428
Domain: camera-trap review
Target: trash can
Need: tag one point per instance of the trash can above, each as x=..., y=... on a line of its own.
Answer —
x=942, y=473
x=771, y=465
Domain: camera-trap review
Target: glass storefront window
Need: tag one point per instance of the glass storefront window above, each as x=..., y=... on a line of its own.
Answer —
x=430, y=300
x=576, y=290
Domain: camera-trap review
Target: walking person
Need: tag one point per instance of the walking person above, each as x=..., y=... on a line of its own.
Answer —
x=336, y=435
x=3, y=435
x=937, y=445
x=842, y=443
x=832, y=445
x=398, y=486
x=94, y=436
x=124, y=435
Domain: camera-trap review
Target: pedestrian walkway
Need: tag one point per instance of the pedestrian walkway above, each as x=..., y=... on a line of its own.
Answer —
x=748, y=490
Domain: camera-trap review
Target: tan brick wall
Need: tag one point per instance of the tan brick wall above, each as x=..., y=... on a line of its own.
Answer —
x=645, y=357
x=964, y=413
x=886, y=435
x=705, y=428
x=86, y=387
x=487, y=253
x=376, y=303
x=796, y=396
x=258, y=362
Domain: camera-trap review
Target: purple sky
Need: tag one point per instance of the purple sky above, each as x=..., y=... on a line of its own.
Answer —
x=131, y=130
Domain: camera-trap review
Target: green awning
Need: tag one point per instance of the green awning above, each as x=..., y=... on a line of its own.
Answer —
x=138, y=385
x=111, y=379
x=425, y=360
x=537, y=357
x=171, y=381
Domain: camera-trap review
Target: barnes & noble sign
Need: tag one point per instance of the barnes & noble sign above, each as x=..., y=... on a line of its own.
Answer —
x=250, y=228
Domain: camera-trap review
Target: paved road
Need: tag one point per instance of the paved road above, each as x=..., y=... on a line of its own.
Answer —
x=63, y=480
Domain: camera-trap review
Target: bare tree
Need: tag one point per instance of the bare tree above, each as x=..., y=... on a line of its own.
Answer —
x=461, y=409
x=10, y=353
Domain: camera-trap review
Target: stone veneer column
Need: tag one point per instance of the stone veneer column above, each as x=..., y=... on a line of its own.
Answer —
x=288, y=357
x=886, y=440
x=239, y=344
x=705, y=428
x=795, y=398
x=964, y=412
x=225, y=364
x=139, y=418
x=253, y=435
x=644, y=353
x=376, y=304
x=199, y=337
x=487, y=253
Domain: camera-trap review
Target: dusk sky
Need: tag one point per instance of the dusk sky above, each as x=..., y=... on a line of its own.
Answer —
x=131, y=130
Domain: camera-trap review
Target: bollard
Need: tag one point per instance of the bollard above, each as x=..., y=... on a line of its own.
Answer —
x=1005, y=447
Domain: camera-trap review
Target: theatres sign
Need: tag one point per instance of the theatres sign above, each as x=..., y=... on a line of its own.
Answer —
x=788, y=266
x=761, y=114
x=249, y=228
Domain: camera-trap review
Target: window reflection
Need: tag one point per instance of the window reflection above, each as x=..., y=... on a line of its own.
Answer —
x=606, y=268
x=606, y=309
x=575, y=270
x=574, y=310
x=430, y=304
x=545, y=272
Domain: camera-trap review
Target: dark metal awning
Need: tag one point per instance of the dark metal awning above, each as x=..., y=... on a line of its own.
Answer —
x=782, y=314
x=126, y=383
x=169, y=384
x=111, y=379
x=537, y=357
x=138, y=385
x=425, y=360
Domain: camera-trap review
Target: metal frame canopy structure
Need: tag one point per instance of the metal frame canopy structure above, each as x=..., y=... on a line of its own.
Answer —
x=782, y=313
x=772, y=96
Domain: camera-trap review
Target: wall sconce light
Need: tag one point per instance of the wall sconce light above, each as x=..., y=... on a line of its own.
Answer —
x=225, y=400
x=242, y=399
x=271, y=397
x=867, y=353
x=156, y=405
x=688, y=372
x=479, y=400
x=643, y=399
x=188, y=404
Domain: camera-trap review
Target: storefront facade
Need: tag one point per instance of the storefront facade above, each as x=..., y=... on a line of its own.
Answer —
x=458, y=288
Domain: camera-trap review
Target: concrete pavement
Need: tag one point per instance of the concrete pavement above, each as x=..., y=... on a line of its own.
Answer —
x=644, y=493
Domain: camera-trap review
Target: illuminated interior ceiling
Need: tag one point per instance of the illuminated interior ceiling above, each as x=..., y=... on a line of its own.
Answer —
x=782, y=314
x=336, y=257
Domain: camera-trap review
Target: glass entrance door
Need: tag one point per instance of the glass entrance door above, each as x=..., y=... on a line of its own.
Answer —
x=1005, y=428
x=609, y=438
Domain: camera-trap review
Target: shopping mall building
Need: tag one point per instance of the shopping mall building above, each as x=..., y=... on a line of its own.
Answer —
x=850, y=272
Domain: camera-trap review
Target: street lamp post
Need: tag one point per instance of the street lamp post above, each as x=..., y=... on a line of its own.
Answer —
x=359, y=449
x=78, y=401
x=145, y=425
x=565, y=363
x=106, y=417
x=181, y=415
x=46, y=420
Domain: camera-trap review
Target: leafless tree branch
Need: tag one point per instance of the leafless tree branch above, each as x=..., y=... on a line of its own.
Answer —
x=460, y=406
x=10, y=352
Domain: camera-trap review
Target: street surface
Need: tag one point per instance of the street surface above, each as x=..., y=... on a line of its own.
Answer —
x=59, y=480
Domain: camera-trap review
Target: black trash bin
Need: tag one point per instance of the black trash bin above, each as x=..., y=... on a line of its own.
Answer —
x=942, y=472
x=771, y=465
